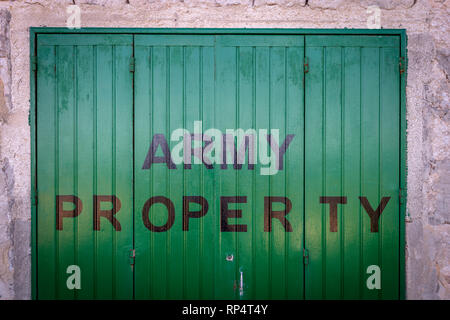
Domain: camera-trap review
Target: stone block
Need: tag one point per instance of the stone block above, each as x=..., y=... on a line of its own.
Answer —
x=286, y=3
x=389, y=4
x=326, y=4
x=22, y=253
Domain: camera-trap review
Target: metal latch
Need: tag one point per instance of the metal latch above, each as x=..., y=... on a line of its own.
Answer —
x=132, y=256
x=306, y=65
x=305, y=256
x=241, y=283
x=132, y=63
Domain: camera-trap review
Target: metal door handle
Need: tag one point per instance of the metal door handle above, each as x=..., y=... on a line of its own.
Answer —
x=241, y=283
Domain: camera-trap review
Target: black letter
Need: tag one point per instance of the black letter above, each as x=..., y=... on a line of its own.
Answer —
x=225, y=214
x=158, y=139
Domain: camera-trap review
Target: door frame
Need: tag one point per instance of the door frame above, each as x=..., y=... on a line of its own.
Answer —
x=401, y=33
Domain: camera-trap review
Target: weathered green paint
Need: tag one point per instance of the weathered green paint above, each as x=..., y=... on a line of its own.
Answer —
x=352, y=149
x=183, y=75
x=227, y=82
x=84, y=148
x=32, y=117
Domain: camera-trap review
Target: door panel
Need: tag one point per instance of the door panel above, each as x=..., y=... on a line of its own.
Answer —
x=84, y=148
x=352, y=151
x=226, y=82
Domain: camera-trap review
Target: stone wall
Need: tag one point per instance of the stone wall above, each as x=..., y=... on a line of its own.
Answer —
x=428, y=132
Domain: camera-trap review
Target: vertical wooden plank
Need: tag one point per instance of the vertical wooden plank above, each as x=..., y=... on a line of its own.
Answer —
x=315, y=223
x=370, y=156
x=226, y=178
x=389, y=172
x=261, y=240
x=192, y=177
x=351, y=214
x=245, y=118
x=143, y=86
x=332, y=169
x=277, y=181
x=85, y=157
x=46, y=172
x=122, y=123
x=294, y=160
x=104, y=169
x=176, y=265
x=159, y=213
x=65, y=163
x=210, y=222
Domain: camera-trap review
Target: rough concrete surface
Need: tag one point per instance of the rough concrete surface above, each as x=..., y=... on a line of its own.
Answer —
x=428, y=132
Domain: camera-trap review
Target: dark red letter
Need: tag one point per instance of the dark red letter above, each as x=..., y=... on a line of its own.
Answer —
x=374, y=215
x=61, y=213
x=108, y=214
x=269, y=214
x=333, y=201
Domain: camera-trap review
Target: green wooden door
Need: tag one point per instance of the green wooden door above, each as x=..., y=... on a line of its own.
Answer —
x=84, y=166
x=258, y=166
x=203, y=226
x=352, y=165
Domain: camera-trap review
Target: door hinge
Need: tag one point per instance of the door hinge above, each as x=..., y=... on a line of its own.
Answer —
x=305, y=65
x=132, y=63
x=401, y=195
x=132, y=257
x=305, y=257
x=401, y=64
x=29, y=117
x=33, y=63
